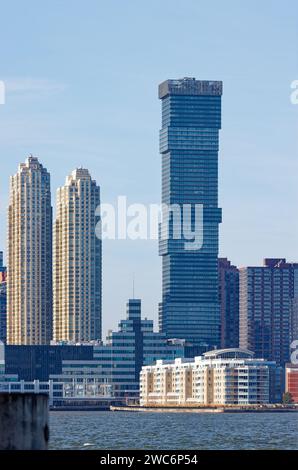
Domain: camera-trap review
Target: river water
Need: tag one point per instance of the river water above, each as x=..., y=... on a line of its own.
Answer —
x=129, y=430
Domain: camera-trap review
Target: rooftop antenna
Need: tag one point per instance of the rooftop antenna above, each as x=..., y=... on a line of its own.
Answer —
x=133, y=285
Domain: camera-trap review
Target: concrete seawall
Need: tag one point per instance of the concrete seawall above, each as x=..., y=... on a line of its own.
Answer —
x=201, y=409
x=168, y=409
x=24, y=419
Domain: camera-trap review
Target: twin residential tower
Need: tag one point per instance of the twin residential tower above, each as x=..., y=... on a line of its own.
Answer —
x=29, y=267
x=69, y=308
x=77, y=261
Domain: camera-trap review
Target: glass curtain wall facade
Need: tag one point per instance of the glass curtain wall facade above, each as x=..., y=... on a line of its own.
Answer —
x=2, y=299
x=189, y=144
x=3, y=319
x=134, y=344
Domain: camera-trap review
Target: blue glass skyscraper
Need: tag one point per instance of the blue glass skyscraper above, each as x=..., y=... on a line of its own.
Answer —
x=189, y=144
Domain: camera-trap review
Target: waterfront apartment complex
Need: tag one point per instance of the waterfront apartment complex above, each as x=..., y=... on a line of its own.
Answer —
x=77, y=281
x=268, y=295
x=189, y=144
x=219, y=377
x=29, y=267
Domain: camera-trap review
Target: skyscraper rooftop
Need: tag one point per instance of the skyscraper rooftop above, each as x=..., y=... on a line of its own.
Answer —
x=190, y=86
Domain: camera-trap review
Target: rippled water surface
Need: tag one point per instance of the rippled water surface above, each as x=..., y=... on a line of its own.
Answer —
x=122, y=430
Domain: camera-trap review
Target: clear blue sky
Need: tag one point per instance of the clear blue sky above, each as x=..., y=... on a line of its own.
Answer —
x=82, y=83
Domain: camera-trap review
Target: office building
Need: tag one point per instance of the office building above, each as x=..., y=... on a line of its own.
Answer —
x=3, y=301
x=3, y=320
x=294, y=317
x=267, y=296
x=3, y=272
x=189, y=144
x=221, y=377
x=38, y=369
x=95, y=369
x=77, y=261
x=29, y=266
x=134, y=344
x=228, y=276
x=34, y=362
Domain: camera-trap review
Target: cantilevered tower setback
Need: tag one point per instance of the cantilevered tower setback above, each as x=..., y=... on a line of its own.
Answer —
x=189, y=144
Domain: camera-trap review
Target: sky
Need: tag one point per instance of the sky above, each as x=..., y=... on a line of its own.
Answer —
x=81, y=90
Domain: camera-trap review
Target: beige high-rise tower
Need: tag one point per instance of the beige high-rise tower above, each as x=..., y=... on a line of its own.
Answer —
x=29, y=267
x=77, y=260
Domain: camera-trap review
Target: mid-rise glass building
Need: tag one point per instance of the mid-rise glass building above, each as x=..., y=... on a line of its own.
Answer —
x=189, y=144
x=134, y=344
x=2, y=299
x=3, y=320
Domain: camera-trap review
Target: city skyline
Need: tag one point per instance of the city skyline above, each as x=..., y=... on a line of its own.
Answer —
x=84, y=112
x=148, y=231
x=133, y=277
x=188, y=131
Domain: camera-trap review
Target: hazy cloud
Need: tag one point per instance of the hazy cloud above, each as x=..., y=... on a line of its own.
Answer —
x=29, y=85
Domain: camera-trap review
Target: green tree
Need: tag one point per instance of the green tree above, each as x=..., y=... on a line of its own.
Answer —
x=287, y=398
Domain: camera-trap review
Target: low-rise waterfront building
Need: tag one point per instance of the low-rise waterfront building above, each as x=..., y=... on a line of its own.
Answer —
x=64, y=390
x=94, y=370
x=219, y=377
x=292, y=381
x=39, y=362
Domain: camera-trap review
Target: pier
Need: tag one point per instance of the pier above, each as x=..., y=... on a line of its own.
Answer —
x=24, y=421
